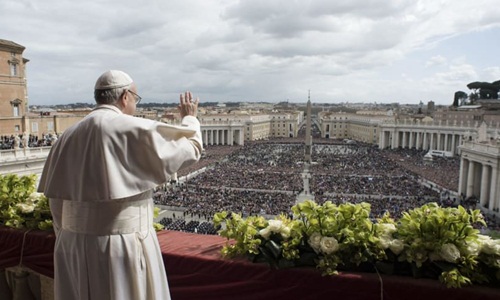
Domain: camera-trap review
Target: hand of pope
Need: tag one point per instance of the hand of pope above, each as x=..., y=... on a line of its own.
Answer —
x=188, y=106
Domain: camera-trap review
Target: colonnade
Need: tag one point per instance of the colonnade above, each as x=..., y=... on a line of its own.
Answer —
x=421, y=139
x=479, y=178
x=222, y=136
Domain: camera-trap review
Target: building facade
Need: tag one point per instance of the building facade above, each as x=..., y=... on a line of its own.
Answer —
x=362, y=126
x=13, y=89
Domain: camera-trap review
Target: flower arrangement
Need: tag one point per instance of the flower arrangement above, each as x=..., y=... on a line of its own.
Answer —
x=21, y=206
x=429, y=241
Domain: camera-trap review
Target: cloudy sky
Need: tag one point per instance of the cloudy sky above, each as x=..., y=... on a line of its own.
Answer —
x=380, y=51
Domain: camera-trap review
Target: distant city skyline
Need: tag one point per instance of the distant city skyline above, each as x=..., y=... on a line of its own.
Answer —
x=258, y=51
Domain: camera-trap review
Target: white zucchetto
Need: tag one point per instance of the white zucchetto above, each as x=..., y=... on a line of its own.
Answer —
x=112, y=79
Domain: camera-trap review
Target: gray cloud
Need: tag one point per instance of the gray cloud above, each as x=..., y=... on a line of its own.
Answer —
x=256, y=50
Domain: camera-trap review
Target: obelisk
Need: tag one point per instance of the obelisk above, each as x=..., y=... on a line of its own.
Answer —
x=306, y=175
x=308, y=131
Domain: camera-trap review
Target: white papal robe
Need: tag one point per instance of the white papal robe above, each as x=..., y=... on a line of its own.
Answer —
x=99, y=178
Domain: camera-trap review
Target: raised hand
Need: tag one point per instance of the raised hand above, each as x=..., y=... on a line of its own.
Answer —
x=188, y=106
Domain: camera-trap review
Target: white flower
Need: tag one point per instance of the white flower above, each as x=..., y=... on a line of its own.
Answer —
x=489, y=245
x=450, y=253
x=35, y=197
x=481, y=238
x=328, y=245
x=275, y=225
x=314, y=241
x=265, y=233
x=387, y=229
x=285, y=232
x=397, y=246
x=385, y=242
x=473, y=248
x=25, y=208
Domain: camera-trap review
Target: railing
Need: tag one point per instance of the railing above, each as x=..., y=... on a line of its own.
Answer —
x=23, y=153
x=483, y=148
x=434, y=123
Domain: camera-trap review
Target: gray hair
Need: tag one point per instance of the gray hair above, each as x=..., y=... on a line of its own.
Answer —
x=110, y=96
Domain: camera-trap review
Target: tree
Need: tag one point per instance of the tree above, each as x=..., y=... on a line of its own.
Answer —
x=460, y=97
x=484, y=90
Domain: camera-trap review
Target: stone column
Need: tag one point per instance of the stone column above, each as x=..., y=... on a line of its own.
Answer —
x=418, y=146
x=393, y=142
x=381, y=143
x=216, y=137
x=425, y=143
x=404, y=140
x=485, y=182
x=493, y=202
x=431, y=147
x=464, y=170
x=438, y=146
x=470, y=180
x=453, y=144
x=230, y=138
x=459, y=144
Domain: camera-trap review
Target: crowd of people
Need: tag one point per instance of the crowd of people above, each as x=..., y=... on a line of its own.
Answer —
x=405, y=185
x=444, y=171
x=204, y=202
x=191, y=226
x=265, y=177
x=25, y=140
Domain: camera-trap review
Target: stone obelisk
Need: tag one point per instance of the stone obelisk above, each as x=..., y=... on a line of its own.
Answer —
x=306, y=175
x=308, y=131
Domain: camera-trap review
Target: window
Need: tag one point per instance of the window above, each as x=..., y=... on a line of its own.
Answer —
x=50, y=126
x=15, y=110
x=34, y=127
x=17, y=128
x=13, y=69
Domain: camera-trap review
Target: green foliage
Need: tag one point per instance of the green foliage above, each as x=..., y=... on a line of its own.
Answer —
x=20, y=205
x=485, y=90
x=459, y=96
x=429, y=241
x=435, y=234
x=156, y=213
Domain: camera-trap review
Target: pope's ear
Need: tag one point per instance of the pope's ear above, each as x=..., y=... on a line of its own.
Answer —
x=123, y=99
